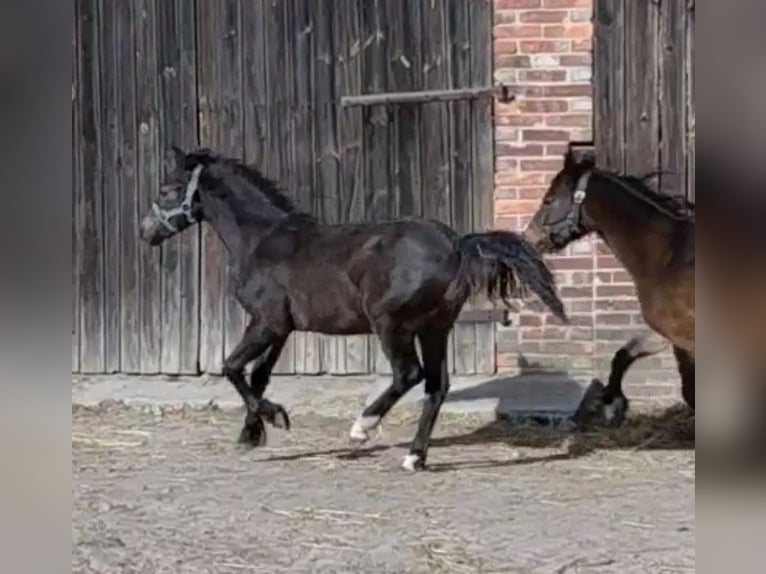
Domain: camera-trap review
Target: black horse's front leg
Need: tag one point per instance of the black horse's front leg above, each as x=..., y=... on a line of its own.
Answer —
x=254, y=343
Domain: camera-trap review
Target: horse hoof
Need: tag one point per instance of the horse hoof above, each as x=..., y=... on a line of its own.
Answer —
x=614, y=412
x=413, y=463
x=280, y=419
x=253, y=434
x=360, y=430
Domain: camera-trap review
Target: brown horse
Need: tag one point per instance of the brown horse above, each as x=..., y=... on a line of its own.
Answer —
x=652, y=235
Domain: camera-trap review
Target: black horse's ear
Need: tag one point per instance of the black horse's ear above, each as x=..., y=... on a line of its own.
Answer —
x=569, y=159
x=180, y=156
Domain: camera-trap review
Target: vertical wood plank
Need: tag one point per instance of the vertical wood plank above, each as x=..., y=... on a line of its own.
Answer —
x=209, y=33
x=231, y=141
x=308, y=351
x=348, y=355
x=459, y=32
x=110, y=102
x=483, y=164
x=406, y=74
x=90, y=206
x=435, y=122
x=279, y=129
x=642, y=114
x=147, y=99
x=127, y=170
x=375, y=132
x=76, y=191
x=180, y=257
x=672, y=69
x=326, y=167
x=609, y=88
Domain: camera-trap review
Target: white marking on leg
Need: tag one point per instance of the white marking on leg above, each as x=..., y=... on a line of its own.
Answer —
x=609, y=412
x=410, y=462
x=361, y=427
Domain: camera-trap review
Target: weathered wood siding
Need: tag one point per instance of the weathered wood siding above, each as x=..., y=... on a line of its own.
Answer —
x=262, y=79
x=644, y=81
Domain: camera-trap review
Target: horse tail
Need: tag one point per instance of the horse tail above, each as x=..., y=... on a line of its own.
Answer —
x=504, y=265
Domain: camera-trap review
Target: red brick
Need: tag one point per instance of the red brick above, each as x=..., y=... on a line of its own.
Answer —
x=515, y=150
x=530, y=321
x=552, y=165
x=503, y=192
x=509, y=4
x=621, y=277
x=543, y=106
x=615, y=291
x=568, y=348
x=515, y=207
x=617, y=305
x=518, y=31
x=505, y=47
x=517, y=119
x=532, y=192
x=544, y=46
x=575, y=60
x=543, y=75
x=576, y=292
x=544, y=16
x=537, y=135
x=567, y=91
x=577, y=31
x=569, y=120
x=567, y=3
x=558, y=150
x=506, y=163
x=569, y=263
x=582, y=278
x=505, y=16
x=507, y=360
x=607, y=262
x=512, y=61
x=529, y=91
x=584, y=45
x=613, y=319
x=580, y=306
x=520, y=179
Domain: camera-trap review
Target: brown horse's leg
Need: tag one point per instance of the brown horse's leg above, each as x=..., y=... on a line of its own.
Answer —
x=686, y=370
x=615, y=403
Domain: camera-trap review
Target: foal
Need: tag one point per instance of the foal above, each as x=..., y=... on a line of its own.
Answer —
x=399, y=280
x=652, y=235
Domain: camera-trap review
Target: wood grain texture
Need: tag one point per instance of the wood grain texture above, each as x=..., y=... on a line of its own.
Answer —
x=110, y=153
x=76, y=191
x=609, y=88
x=178, y=126
x=483, y=154
x=130, y=295
x=90, y=205
x=148, y=120
x=213, y=280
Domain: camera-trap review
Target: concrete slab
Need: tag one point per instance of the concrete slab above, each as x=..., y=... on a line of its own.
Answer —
x=547, y=399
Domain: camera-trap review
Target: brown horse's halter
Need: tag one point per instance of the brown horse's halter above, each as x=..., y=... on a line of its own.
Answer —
x=572, y=221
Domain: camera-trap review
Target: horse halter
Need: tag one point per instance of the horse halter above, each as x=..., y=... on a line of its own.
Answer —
x=185, y=208
x=572, y=221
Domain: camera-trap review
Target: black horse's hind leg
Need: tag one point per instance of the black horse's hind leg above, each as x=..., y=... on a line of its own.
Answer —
x=434, y=346
x=254, y=343
x=686, y=370
x=400, y=350
x=614, y=402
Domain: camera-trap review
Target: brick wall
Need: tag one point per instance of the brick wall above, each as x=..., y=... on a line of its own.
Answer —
x=544, y=49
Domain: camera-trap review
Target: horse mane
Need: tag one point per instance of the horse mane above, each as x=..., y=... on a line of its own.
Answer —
x=675, y=204
x=269, y=187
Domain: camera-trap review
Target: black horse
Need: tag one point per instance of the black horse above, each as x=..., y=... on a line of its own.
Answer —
x=399, y=280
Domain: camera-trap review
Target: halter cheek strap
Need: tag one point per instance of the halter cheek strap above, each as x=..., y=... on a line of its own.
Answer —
x=185, y=208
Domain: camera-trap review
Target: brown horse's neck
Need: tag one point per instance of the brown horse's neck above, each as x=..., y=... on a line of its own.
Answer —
x=639, y=235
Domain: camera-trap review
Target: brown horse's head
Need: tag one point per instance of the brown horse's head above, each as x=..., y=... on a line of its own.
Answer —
x=561, y=217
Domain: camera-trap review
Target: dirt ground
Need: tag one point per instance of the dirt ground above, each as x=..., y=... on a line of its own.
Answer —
x=159, y=492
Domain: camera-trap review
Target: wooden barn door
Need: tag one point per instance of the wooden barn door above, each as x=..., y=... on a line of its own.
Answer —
x=428, y=159
x=263, y=80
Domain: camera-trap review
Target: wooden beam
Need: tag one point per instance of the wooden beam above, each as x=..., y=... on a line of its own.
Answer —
x=501, y=92
x=485, y=316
